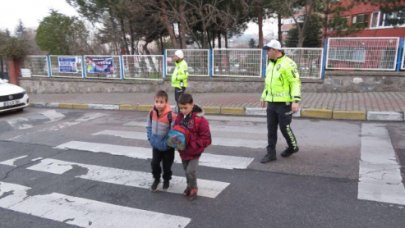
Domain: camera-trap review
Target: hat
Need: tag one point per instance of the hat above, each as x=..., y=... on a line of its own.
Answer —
x=273, y=44
x=179, y=53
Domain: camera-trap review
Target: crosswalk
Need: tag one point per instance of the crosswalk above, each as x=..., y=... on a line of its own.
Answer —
x=84, y=212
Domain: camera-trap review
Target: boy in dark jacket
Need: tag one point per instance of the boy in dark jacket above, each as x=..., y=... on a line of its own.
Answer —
x=198, y=137
x=158, y=125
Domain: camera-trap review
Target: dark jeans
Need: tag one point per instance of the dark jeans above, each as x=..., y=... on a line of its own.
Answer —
x=167, y=158
x=279, y=114
x=177, y=93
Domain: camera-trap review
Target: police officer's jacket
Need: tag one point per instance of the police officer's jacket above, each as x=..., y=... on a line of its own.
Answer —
x=180, y=75
x=282, y=82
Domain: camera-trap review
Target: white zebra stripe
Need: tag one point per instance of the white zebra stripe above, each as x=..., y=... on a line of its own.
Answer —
x=216, y=140
x=379, y=173
x=82, y=212
x=207, y=188
x=206, y=159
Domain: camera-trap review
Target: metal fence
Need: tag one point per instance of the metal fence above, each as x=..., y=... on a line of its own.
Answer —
x=308, y=60
x=38, y=64
x=362, y=53
x=143, y=66
x=57, y=69
x=342, y=53
x=237, y=62
x=197, y=61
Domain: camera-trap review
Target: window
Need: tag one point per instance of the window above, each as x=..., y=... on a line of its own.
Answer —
x=360, y=19
x=381, y=20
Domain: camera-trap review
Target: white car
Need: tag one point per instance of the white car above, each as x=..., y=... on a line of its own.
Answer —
x=12, y=97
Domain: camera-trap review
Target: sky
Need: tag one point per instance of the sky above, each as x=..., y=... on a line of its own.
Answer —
x=31, y=12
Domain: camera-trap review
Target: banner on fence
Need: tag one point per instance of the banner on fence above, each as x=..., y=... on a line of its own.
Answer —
x=67, y=64
x=99, y=64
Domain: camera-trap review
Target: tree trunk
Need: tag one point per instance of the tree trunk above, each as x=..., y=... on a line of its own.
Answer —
x=226, y=39
x=259, y=10
x=279, y=24
x=182, y=25
x=165, y=20
x=219, y=40
x=124, y=35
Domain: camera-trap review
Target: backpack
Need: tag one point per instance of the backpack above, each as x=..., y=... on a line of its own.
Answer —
x=169, y=117
x=178, y=137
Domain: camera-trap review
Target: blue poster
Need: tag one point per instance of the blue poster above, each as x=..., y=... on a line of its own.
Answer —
x=99, y=64
x=67, y=64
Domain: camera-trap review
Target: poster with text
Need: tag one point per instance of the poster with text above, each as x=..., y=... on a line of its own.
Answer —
x=99, y=64
x=67, y=64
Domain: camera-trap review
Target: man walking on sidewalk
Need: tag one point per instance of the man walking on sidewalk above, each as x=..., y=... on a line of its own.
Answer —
x=282, y=93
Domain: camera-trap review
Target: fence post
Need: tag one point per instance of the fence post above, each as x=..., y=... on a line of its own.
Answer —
x=264, y=61
x=122, y=73
x=49, y=63
x=324, y=55
x=400, y=51
x=164, y=63
x=83, y=67
x=210, y=63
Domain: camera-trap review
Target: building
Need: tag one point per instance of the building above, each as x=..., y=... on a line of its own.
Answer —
x=377, y=24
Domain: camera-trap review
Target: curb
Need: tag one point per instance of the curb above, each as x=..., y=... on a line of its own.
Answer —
x=243, y=111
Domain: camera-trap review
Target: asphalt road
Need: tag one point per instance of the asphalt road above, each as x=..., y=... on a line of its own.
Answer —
x=76, y=168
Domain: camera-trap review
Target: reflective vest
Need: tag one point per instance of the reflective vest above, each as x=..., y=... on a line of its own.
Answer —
x=180, y=75
x=282, y=82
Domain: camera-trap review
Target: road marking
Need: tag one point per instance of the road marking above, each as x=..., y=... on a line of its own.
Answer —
x=86, y=117
x=254, y=129
x=207, y=188
x=379, y=174
x=12, y=161
x=216, y=140
x=53, y=115
x=207, y=159
x=19, y=123
x=82, y=212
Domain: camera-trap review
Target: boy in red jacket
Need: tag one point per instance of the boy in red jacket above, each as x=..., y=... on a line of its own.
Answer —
x=191, y=117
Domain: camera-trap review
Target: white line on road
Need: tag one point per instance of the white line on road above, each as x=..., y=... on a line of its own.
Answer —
x=86, y=117
x=11, y=162
x=216, y=140
x=379, y=174
x=206, y=159
x=207, y=188
x=53, y=115
x=82, y=212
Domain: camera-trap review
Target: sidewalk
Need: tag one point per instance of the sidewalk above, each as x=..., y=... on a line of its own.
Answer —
x=387, y=106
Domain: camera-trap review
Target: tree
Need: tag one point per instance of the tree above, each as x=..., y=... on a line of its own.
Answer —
x=62, y=35
x=313, y=31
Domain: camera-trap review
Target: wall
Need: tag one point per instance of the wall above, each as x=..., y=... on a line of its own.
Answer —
x=334, y=82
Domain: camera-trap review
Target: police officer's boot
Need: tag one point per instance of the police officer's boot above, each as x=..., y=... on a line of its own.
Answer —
x=270, y=156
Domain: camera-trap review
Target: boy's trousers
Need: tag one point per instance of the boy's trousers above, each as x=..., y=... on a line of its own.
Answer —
x=190, y=168
x=167, y=158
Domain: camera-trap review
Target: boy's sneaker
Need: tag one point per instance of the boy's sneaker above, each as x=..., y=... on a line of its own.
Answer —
x=193, y=194
x=154, y=185
x=187, y=191
x=289, y=151
x=166, y=184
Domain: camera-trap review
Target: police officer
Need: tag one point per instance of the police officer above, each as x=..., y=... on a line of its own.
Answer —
x=282, y=93
x=179, y=76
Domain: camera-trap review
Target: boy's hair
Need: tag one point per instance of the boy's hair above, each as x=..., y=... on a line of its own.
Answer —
x=162, y=93
x=185, y=98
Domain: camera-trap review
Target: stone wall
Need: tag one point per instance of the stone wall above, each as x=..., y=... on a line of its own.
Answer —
x=334, y=82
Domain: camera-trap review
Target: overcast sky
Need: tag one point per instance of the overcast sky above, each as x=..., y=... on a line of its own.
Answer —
x=31, y=12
